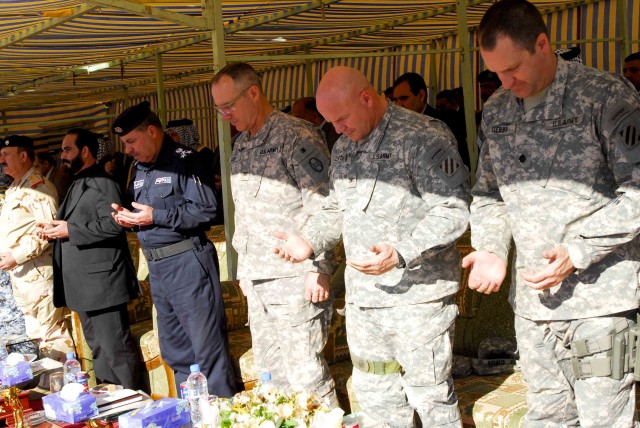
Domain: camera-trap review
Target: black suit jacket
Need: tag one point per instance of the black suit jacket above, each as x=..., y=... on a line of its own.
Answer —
x=92, y=267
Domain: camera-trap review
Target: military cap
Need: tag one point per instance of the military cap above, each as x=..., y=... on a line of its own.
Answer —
x=489, y=76
x=131, y=118
x=179, y=122
x=18, y=141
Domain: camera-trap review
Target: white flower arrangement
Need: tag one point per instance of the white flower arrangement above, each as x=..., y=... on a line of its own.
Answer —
x=268, y=407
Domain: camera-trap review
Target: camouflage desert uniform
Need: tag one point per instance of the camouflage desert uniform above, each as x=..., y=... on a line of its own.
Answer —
x=28, y=202
x=404, y=185
x=566, y=173
x=279, y=179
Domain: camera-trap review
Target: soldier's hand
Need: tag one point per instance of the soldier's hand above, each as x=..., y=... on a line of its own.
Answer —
x=294, y=249
x=487, y=271
x=383, y=260
x=317, y=287
x=558, y=269
x=7, y=262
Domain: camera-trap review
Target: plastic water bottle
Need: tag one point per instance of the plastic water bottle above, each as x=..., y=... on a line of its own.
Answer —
x=197, y=391
x=70, y=368
x=3, y=351
x=266, y=384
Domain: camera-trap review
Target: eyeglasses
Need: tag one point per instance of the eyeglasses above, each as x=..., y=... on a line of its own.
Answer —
x=226, y=108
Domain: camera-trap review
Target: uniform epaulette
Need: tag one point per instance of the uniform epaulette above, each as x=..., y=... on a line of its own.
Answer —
x=35, y=180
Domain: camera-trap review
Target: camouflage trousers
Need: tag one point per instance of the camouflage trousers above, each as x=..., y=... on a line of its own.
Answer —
x=555, y=398
x=419, y=337
x=42, y=319
x=288, y=334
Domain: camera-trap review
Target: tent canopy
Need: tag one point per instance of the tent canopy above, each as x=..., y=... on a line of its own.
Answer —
x=70, y=51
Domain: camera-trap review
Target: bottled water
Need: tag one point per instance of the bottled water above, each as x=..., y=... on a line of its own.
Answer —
x=3, y=351
x=70, y=368
x=266, y=384
x=197, y=391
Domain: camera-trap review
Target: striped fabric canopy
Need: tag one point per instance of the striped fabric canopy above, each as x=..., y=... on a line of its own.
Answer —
x=71, y=60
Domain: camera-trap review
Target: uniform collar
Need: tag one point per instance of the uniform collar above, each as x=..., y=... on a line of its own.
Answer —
x=24, y=178
x=263, y=133
x=372, y=143
x=549, y=108
x=164, y=156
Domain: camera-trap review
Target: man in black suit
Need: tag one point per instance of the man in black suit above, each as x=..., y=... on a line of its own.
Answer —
x=93, y=271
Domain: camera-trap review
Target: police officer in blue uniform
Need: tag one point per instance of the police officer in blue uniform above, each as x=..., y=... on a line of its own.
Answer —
x=174, y=204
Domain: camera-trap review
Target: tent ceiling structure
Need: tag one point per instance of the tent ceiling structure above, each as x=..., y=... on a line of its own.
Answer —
x=70, y=51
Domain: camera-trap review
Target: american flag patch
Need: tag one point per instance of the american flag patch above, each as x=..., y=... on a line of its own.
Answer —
x=449, y=166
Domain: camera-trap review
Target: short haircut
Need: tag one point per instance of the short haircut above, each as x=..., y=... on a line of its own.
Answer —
x=415, y=81
x=633, y=57
x=241, y=73
x=85, y=138
x=518, y=20
x=46, y=157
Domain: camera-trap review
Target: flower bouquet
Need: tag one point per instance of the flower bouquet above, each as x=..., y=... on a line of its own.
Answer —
x=268, y=407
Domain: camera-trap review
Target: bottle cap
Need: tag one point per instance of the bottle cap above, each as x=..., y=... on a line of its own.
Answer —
x=265, y=377
x=70, y=355
x=194, y=368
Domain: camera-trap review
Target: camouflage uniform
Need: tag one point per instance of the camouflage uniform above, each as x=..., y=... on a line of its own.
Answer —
x=28, y=202
x=404, y=185
x=279, y=179
x=11, y=317
x=565, y=173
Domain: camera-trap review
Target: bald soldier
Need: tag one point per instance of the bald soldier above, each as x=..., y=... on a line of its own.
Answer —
x=399, y=198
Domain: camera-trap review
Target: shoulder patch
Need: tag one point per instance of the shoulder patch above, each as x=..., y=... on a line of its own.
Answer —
x=447, y=164
x=313, y=160
x=623, y=124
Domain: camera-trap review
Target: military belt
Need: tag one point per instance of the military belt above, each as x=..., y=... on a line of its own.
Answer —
x=376, y=367
x=154, y=254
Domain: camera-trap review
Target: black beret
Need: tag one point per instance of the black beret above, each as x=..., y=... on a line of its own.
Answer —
x=179, y=122
x=18, y=141
x=489, y=76
x=131, y=118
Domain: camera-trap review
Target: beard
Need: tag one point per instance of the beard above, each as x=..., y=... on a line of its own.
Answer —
x=73, y=165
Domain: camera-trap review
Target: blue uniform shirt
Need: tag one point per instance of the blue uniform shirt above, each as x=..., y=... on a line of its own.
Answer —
x=179, y=189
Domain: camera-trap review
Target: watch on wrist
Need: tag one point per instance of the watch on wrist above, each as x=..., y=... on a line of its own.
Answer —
x=401, y=263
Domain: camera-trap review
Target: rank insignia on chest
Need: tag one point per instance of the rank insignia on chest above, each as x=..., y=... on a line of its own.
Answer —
x=163, y=180
x=138, y=184
x=449, y=166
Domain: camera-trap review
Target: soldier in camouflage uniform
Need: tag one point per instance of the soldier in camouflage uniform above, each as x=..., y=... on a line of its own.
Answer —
x=279, y=178
x=558, y=173
x=31, y=199
x=399, y=199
